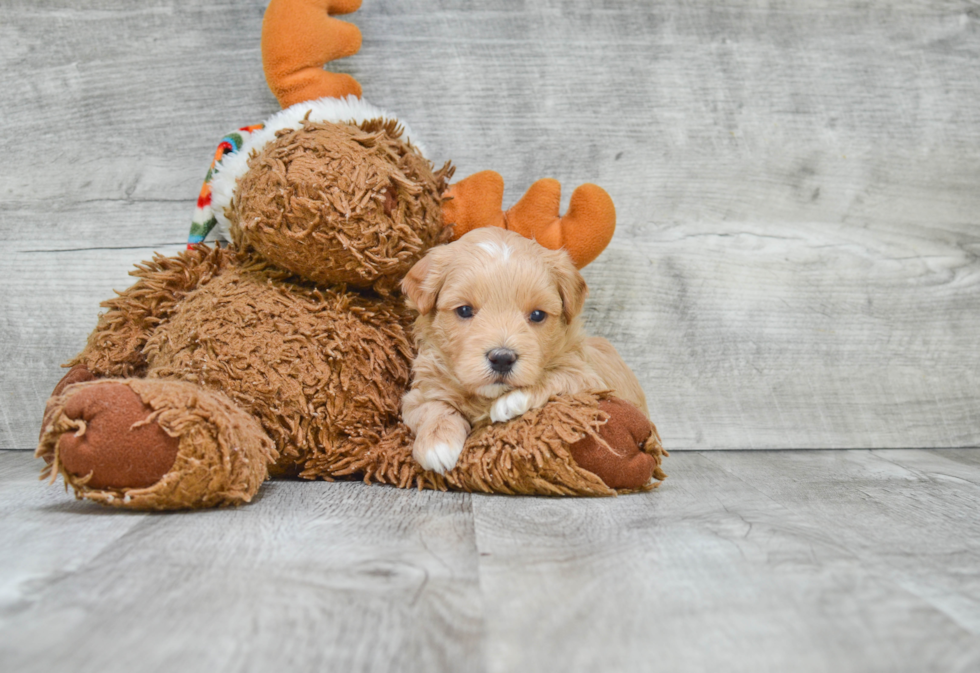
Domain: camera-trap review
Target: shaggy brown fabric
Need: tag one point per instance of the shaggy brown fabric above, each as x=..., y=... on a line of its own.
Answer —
x=313, y=366
x=265, y=361
x=77, y=374
x=115, y=347
x=315, y=378
x=630, y=455
x=222, y=453
x=529, y=455
x=116, y=445
x=338, y=203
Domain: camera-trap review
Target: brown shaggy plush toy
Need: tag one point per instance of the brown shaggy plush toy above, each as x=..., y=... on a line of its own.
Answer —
x=287, y=353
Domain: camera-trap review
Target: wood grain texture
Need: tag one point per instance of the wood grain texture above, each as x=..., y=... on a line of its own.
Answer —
x=798, y=250
x=757, y=561
x=743, y=561
x=311, y=576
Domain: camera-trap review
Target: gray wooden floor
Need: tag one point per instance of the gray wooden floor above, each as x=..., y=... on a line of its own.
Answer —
x=796, y=266
x=743, y=561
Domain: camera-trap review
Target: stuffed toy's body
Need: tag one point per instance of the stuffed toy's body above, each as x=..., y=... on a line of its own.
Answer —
x=287, y=353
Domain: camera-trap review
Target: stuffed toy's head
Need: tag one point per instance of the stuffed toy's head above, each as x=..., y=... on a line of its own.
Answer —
x=335, y=190
x=332, y=201
x=332, y=188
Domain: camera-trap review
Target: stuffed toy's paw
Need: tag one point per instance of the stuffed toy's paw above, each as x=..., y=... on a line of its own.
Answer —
x=153, y=444
x=630, y=457
x=116, y=444
x=534, y=454
x=77, y=374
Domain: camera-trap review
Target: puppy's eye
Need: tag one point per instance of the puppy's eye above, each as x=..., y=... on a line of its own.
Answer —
x=465, y=311
x=537, y=316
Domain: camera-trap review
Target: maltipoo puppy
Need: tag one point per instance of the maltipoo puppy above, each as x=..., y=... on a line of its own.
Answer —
x=498, y=333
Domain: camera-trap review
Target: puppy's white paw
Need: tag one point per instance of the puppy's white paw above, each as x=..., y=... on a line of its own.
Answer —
x=509, y=406
x=439, y=457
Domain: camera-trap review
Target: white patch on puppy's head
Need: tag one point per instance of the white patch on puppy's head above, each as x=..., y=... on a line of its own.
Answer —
x=496, y=249
x=496, y=307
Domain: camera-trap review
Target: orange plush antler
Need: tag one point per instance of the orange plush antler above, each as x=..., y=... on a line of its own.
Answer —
x=583, y=232
x=298, y=37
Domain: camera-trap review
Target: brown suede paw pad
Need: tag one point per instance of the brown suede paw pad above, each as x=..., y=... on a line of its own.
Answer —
x=626, y=466
x=116, y=444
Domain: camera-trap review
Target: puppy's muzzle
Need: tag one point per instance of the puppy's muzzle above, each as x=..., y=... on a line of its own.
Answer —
x=502, y=360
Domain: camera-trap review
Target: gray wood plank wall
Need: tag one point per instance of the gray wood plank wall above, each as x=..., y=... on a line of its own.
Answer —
x=797, y=262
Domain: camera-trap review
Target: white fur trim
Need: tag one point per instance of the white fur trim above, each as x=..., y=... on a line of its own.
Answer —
x=351, y=110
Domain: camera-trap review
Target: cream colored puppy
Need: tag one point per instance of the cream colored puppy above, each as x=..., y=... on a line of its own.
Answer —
x=498, y=333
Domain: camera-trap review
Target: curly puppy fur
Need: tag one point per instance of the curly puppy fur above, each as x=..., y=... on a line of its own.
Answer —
x=498, y=334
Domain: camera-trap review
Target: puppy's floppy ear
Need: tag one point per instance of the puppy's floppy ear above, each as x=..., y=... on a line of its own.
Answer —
x=423, y=282
x=571, y=285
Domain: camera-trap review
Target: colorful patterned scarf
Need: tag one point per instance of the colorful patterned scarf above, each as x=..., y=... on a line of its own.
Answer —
x=204, y=221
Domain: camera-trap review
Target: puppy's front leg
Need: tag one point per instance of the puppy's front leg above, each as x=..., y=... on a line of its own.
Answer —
x=440, y=432
x=516, y=403
x=520, y=401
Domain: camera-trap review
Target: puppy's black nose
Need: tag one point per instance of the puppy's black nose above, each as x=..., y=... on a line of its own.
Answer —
x=502, y=360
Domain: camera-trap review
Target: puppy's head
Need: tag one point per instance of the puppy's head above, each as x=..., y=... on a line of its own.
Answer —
x=497, y=307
